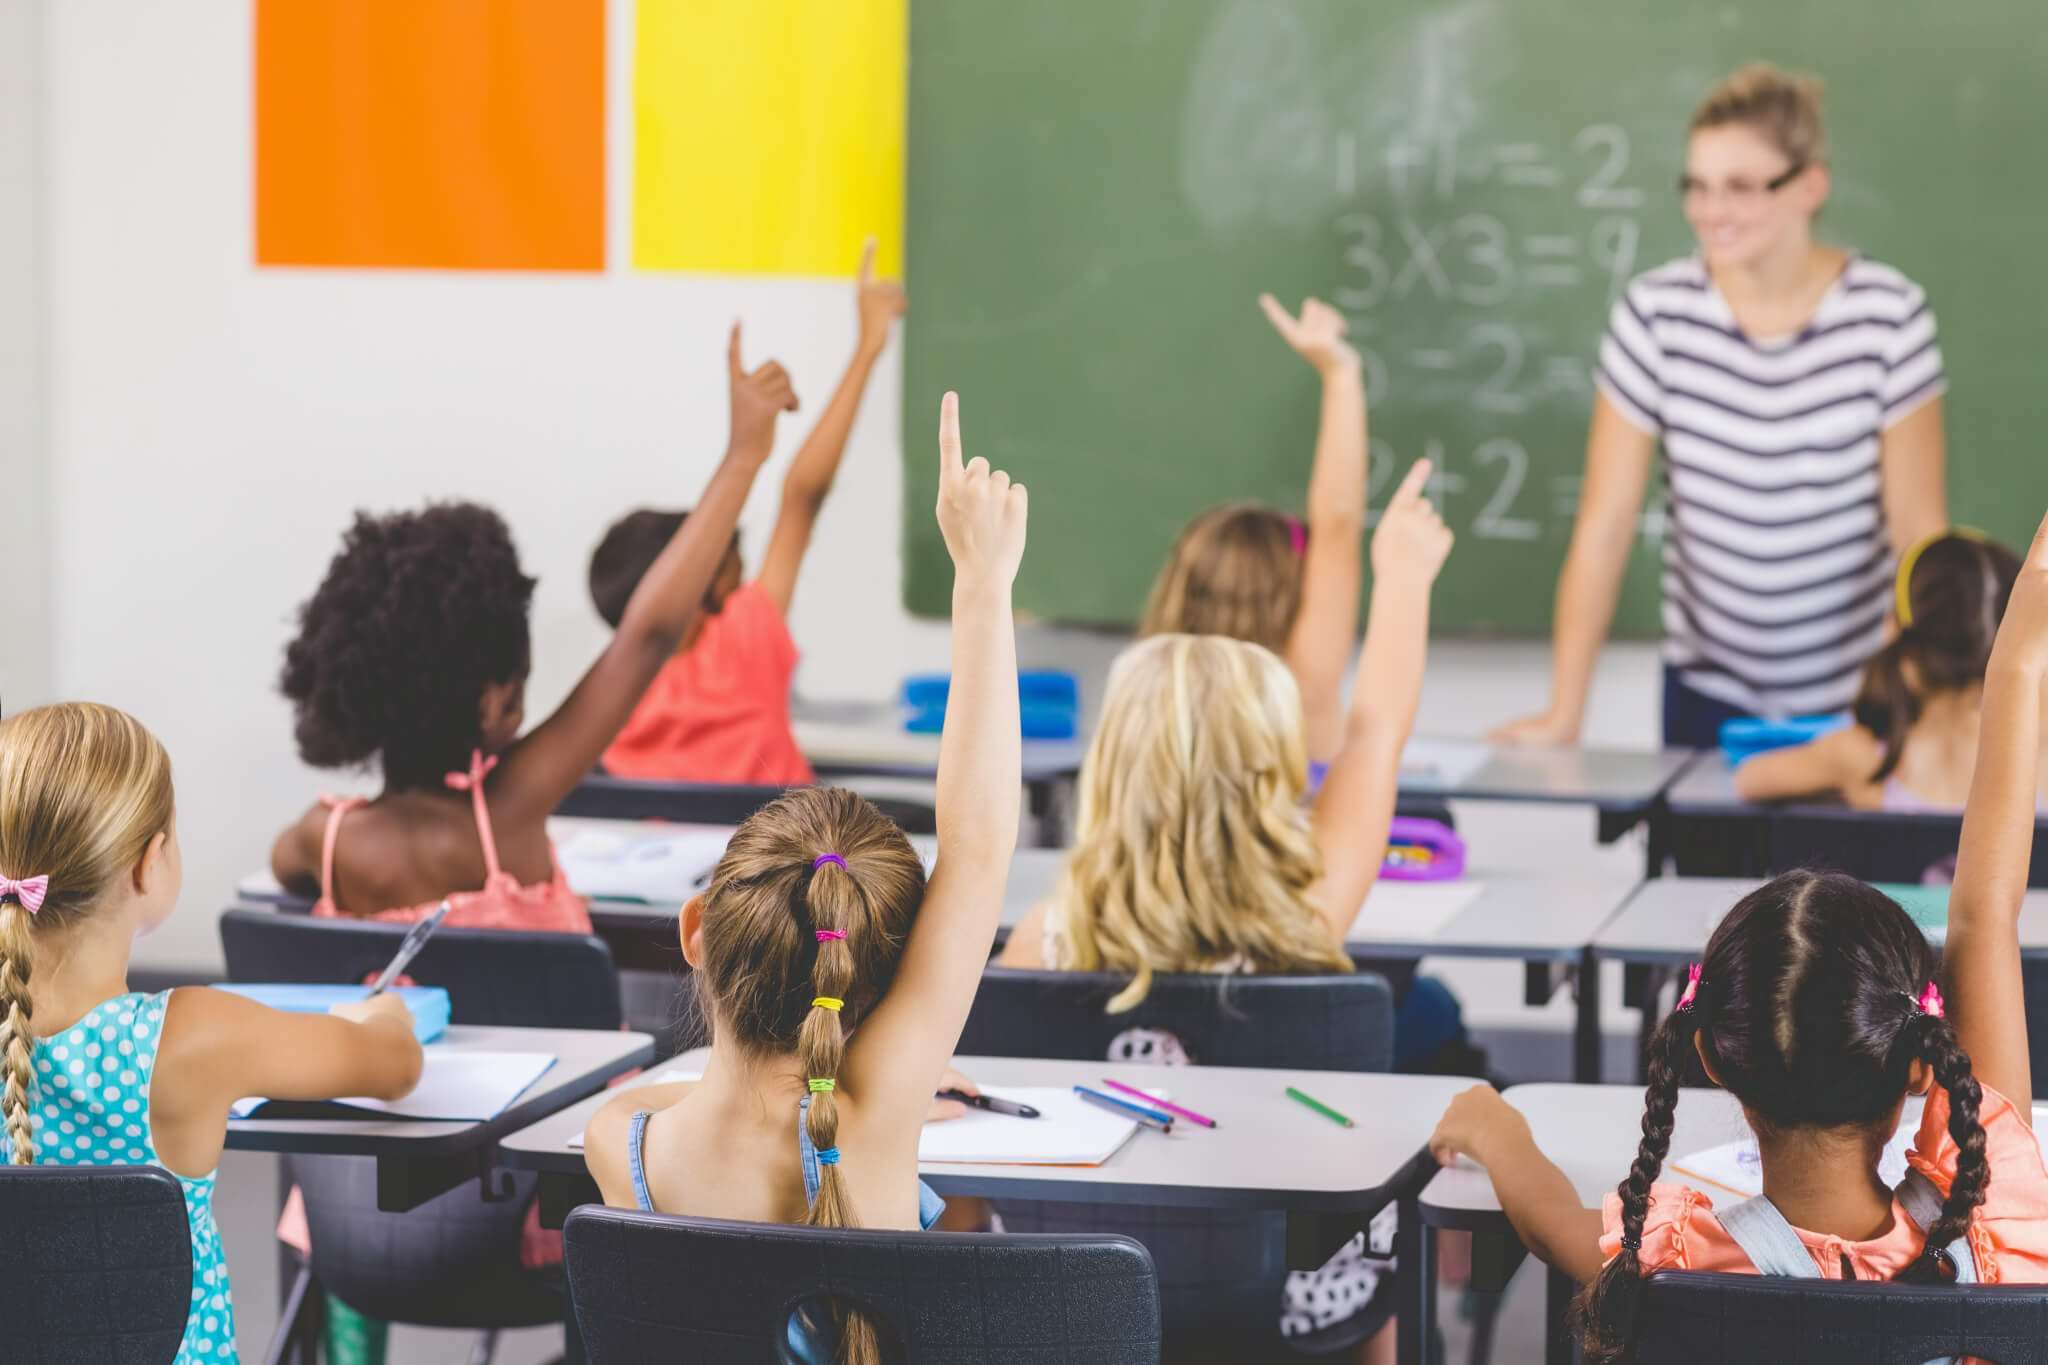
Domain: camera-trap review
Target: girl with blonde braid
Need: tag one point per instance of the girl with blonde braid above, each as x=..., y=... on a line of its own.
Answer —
x=835, y=976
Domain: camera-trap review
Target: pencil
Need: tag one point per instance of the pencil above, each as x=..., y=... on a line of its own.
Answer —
x=1325, y=1110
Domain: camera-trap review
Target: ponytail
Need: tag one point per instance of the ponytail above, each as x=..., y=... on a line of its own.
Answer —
x=1933, y=1040
x=831, y=897
x=1885, y=705
x=1605, y=1312
x=17, y=1040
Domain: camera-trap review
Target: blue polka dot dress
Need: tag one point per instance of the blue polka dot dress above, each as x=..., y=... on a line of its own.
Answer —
x=90, y=1107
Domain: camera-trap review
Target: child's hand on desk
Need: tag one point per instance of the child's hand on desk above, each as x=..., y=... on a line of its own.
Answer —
x=880, y=301
x=1318, y=334
x=373, y=1008
x=1412, y=540
x=1475, y=1124
x=757, y=400
x=981, y=512
x=2023, y=635
x=951, y=1109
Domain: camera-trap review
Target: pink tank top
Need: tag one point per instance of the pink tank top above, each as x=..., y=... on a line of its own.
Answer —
x=501, y=903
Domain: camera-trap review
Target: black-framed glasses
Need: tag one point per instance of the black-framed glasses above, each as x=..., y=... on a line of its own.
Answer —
x=1688, y=186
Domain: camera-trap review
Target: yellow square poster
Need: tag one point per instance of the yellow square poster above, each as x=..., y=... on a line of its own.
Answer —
x=768, y=135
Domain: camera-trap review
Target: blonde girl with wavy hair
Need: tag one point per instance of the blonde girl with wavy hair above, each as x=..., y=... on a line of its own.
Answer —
x=96, y=1074
x=836, y=977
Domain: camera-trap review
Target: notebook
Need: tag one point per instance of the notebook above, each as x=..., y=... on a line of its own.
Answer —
x=655, y=865
x=1411, y=910
x=428, y=1005
x=1737, y=1167
x=454, y=1087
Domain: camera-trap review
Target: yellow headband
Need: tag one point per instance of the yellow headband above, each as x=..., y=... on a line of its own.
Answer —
x=1902, y=582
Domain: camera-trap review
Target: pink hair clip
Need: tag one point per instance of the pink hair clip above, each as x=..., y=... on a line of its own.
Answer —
x=827, y=935
x=1930, y=1001
x=1692, y=988
x=30, y=891
x=1297, y=535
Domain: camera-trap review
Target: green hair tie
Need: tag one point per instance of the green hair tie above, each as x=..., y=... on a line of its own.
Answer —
x=819, y=1083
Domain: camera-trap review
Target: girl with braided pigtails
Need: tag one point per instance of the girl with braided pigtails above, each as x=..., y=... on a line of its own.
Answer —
x=835, y=977
x=1816, y=1006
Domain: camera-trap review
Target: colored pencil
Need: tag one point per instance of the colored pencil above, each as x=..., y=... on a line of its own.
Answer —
x=1188, y=1114
x=1325, y=1110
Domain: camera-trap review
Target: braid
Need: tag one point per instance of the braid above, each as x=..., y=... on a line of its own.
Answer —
x=17, y=961
x=1934, y=1040
x=1605, y=1312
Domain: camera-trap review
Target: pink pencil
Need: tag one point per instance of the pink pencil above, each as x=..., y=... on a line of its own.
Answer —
x=1188, y=1114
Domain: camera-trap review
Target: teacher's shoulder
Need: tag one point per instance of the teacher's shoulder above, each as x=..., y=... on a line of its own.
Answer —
x=1883, y=293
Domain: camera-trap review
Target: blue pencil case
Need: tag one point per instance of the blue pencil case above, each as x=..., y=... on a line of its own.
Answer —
x=1038, y=722
x=1747, y=736
x=1048, y=703
x=429, y=1005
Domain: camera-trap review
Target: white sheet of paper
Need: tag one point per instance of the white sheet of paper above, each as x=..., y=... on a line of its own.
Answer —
x=1411, y=910
x=1737, y=1165
x=1441, y=763
x=454, y=1086
x=1068, y=1132
x=649, y=864
x=668, y=1076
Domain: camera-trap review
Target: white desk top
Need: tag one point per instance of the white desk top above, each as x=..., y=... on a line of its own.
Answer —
x=1610, y=778
x=1267, y=1151
x=881, y=746
x=585, y=1059
x=1669, y=919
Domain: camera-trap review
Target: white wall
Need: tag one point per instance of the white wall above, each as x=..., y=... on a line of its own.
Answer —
x=211, y=426
x=24, y=486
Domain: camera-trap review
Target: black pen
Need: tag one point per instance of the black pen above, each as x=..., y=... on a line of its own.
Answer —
x=991, y=1103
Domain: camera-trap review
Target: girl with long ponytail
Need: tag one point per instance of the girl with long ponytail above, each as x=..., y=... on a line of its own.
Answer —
x=835, y=977
x=1816, y=1006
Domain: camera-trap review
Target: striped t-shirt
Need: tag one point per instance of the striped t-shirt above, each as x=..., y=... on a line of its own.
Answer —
x=1777, y=565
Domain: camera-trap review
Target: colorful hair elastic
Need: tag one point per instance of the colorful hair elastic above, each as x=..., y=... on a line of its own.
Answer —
x=824, y=858
x=1297, y=535
x=822, y=1083
x=1929, y=1002
x=827, y=935
x=828, y=1156
x=826, y=1002
x=1692, y=988
x=1902, y=582
x=30, y=891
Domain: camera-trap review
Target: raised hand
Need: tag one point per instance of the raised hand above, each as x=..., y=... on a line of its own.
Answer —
x=1412, y=540
x=757, y=400
x=1318, y=334
x=981, y=513
x=881, y=302
x=2023, y=635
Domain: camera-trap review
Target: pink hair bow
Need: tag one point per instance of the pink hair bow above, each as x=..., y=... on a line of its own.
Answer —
x=1930, y=1001
x=1692, y=988
x=478, y=767
x=1297, y=534
x=29, y=891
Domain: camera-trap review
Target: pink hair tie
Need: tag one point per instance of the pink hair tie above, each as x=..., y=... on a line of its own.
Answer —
x=1930, y=1001
x=1692, y=988
x=30, y=891
x=1297, y=535
x=827, y=935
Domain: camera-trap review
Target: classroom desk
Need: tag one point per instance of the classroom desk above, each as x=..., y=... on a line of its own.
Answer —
x=1621, y=781
x=1709, y=831
x=417, y=1159
x=1330, y=1184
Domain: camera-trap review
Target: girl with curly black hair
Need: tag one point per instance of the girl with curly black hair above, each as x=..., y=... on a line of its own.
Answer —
x=413, y=655
x=1816, y=1007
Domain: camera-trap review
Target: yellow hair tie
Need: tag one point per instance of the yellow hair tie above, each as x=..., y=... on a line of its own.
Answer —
x=1902, y=582
x=823, y=1083
x=826, y=1002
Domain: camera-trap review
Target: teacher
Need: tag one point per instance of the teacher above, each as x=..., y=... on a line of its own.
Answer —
x=1797, y=390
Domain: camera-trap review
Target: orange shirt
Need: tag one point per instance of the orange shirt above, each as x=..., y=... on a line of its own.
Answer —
x=719, y=711
x=2009, y=1233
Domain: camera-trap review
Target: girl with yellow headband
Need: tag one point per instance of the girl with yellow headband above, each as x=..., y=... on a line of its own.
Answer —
x=1913, y=743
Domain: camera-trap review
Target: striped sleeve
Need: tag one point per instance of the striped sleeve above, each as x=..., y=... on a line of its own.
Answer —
x=1631, y=371
x=1913, y=373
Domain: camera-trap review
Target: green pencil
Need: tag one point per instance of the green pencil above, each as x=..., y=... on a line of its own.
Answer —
x=1325, y=1110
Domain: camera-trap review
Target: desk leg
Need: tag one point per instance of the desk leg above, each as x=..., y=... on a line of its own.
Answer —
x=1559, y=1289
x=1415, y=1250
x=1586, y=1041
x=1048, y=805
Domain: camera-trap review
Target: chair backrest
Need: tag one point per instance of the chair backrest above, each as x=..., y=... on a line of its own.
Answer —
x=603, y=797
x=651, y=1287
x=1696, y=1318
x=1312, y=1023
x=97, y=1264
x=503, y=977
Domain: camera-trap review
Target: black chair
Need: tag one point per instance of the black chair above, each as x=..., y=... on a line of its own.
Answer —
x=1694, y=1318
x=97, y=1264
x=650, y=1287
x=603, y=797
x=1220, y=1274
x=454, y=1260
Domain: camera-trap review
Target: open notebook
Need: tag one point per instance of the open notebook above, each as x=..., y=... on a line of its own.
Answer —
x=655, y=864
x=1737, y=1167
x=454, y=1086
x=1068, y=1132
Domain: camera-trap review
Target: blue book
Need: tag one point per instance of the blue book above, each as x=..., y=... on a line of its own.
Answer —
x=429, y=1005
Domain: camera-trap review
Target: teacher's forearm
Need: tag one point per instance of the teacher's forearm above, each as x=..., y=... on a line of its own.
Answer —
x=1586, y=593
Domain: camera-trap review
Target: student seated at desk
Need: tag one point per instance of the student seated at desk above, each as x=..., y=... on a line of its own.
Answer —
x=1254, y=573
x=1194, y=851
x=836, y=978
x=98, y=1075
x=414, y=653
x=719, y=709
x=1913, y=743
x=1816, y=1006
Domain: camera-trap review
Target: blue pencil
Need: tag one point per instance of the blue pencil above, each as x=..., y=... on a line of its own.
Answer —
x=1151, y=1118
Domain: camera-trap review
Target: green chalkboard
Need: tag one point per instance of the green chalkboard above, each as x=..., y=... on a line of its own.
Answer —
x=1098, y=190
